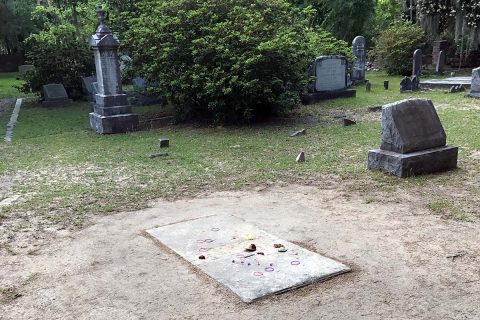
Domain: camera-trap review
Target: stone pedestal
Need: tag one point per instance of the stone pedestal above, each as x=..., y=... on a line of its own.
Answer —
x=414, y=163
x=111, y=112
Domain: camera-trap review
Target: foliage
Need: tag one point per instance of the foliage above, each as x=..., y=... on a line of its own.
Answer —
x=59, y=57
x=15, y=23
x=386, y=13
x=346, y=19
x=227, y=60
x=396, y=45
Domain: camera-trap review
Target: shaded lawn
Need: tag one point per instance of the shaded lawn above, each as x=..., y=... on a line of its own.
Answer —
x=67, y=171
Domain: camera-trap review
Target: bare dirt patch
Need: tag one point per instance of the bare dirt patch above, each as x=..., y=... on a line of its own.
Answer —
x=398, y=251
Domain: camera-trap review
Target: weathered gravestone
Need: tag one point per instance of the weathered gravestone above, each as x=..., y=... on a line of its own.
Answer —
x=413, y=140
x=440, y=62
x=475, y=88
x=23, y=69
x=55, y=95
x=112, y=114
x=87, y=87
x=359, y=46
x=406, y=84
x=330, y=73
x=417, y=63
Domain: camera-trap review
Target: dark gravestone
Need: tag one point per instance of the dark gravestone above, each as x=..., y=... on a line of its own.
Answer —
x=413, y=140
x=475, y=88
x=87, y=88
x=112, y=114
x=359, y=46
x=24, y=69
x=440, y=62
x=417, y=63
x=55, y=95
x=330, y=79
x=368, y=86
x=385, y=84
x=406, y=84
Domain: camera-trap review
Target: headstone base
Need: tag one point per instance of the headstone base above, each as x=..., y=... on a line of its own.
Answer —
x=315, y=97
x=473, y=95
x=122, y=123
x=414, y=163
x=56, y=103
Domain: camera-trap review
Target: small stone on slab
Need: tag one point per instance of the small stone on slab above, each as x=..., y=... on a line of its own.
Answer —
x=249, y=275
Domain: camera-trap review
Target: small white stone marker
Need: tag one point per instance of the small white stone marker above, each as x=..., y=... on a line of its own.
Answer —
x=301, y=157
x=216, y=245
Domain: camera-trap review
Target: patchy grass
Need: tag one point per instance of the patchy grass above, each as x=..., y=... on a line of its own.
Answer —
x=69, y=173
x=8, y=81
x=9, y=294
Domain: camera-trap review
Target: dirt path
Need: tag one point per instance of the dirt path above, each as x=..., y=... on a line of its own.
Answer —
x=398, y=254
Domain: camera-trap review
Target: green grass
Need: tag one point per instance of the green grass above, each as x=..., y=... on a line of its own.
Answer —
x=7, y=82
x=67, y=172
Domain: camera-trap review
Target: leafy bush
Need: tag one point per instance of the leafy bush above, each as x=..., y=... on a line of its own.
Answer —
x=226, y=60
x=59, y=57
x=395, y=47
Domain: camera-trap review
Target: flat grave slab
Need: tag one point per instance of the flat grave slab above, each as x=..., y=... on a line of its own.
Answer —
x=221, y=241
x=466, y=82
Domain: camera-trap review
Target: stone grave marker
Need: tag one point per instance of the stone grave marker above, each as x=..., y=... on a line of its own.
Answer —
x=413, y=140
x=359, y=47
x=417, y=63
x=217, y=245
x=111, y=114
x=139, y=83
x=330, y=79
x=406, y=84
x=55, y=95
x=23, y=69
x=440, y=62
x=87, y=87
x=475, y=88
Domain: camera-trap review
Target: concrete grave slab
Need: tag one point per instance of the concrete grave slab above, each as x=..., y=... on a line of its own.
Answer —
x=446, y=83
x=216, y=245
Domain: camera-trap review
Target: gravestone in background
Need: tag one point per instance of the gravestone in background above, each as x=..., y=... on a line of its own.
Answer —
x=55, y=95
x=440, y=62
x=413, y=140
x=359, y=47
x=87, y=87
x=23, y=69
x=417, y=63
x=112, y=114
x=475, y=88
x=331, y=77
x=139, y=83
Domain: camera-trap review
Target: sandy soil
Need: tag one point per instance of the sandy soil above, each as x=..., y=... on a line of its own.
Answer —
x=398, y=254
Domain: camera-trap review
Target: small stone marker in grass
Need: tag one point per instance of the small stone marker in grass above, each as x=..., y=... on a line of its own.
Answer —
x=301, y=157
x=164, y=142
x=413, y=140
x=368, y=86
x=299, y=133
x=348, y=122
x=475, y=88
x=55, y=95
x=223, y=248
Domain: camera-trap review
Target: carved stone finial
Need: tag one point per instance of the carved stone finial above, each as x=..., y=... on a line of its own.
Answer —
x=102, y=29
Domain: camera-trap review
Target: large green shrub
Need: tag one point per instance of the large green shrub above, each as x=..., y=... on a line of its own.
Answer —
x=395, y=47
x=226, y=60
x=59, y=57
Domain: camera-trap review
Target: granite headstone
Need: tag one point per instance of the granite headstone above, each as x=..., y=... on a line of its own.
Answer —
x=87, y=87
x=330, y=75
x=359, y=46
x=475, y=88
x=440, y=62
x=413, y=140
x=417, y=63
x=55, y=95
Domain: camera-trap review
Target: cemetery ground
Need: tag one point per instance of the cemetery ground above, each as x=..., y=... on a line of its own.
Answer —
x=74, y=204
